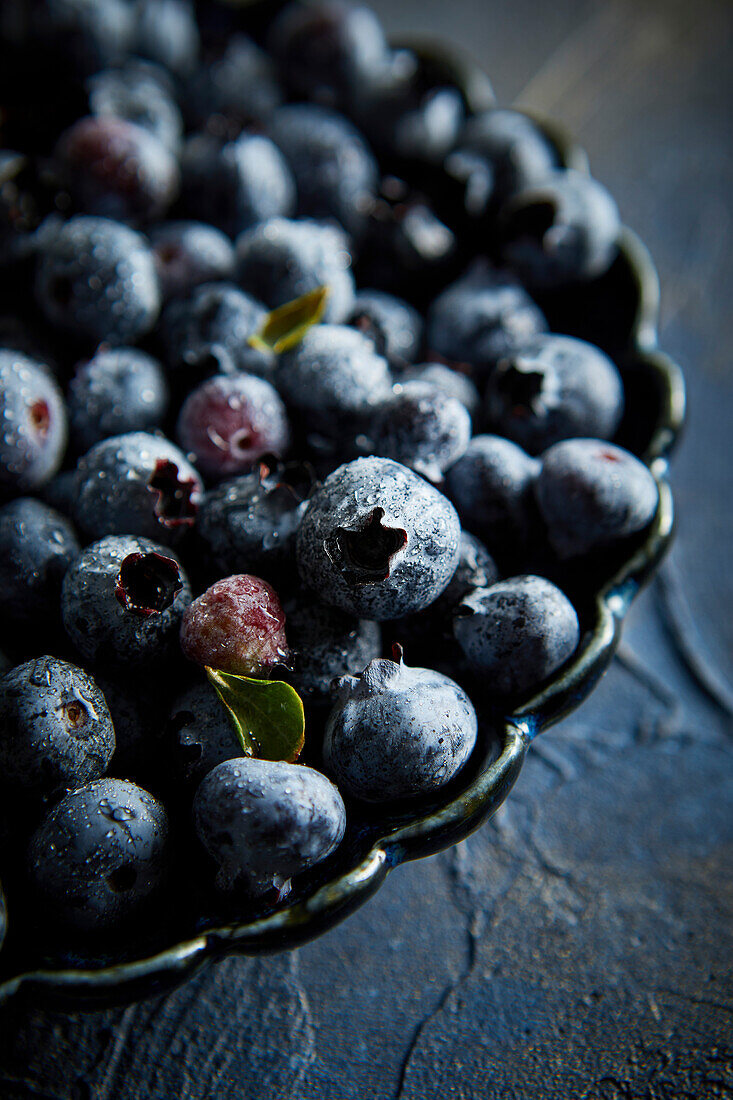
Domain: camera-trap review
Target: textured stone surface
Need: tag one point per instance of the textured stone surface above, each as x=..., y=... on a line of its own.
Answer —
x=580, y=945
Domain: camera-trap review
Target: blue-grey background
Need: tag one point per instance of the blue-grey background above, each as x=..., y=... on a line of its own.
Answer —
x=579, y=945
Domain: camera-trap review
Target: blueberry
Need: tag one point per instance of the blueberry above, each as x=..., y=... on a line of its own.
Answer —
x=491, y=486
x=561, y=230
x=280, y=260
x=97, y=279
x=55, y=728
x=483, y=316
x=37, y=545
x=117, y=169
x=140, y=93
x=476, y=569
x=329, y=49
x=516, y=633
x=118, y=390
x=394, y=327
x=60, y=491
x=553, y=388
x=590, y=494
x=237, y=625
x=122, y=601
x=202, y=732
x=236, y=185
x=228, y=422
x=136, y=484
x=264, y=821
x=188, y=254
x=407, y=115
x=422, y=427
x=498, y=153
x=33, y=416
x=326, y=643
x=249, y=522
x=89, y=33
x=165, y=31
x=378, y=541
x=334, y=378
x=335, y=171
x=208, y=332
x=398, y=732
x=100, y=854
x=450, y=382
x=239, y=87
x=405, y=244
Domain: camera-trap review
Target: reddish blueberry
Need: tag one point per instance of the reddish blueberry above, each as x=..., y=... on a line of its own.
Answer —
x=229, y=422
x=237, y=625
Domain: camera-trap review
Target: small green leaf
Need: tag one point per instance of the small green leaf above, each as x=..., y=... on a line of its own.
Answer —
x=267, y=715
x=286, y=326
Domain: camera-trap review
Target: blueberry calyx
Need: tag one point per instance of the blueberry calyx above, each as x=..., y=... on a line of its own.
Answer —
x=522, y=385
x=365, y=555
x=147, y=583
x=174, y=507
x=534, y=220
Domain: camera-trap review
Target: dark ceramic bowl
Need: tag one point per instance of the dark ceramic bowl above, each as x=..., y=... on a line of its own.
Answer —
x=619, y=313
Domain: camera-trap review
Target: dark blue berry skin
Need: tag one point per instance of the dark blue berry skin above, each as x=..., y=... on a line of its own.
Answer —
x=450, y=382
x=498, y=153
x=326, y=643
x=329, y=50
x=97, y=279
x=335, y=172
x=561, y=230
x=280, y=260
x=264, y=821
x=137, y=484
x=377, y=540
x=165, y=31
x=409, y=118
x=55, y=728
x=405, y=244
x=239, y=87
x=88, y=35
x=398, y=732
x=140, y=93
x=591, y=494
x=188, y=254
x=37, y=545
x=116, y=391
x=482, y=317
x=208, y=332
x=334, y=378
x=476, y=569
x=59, y=492
x=248, y=524
x=516, y=633
x=491, y=486
x=391, y=324
x=33, y=423
x=99, y=855
x=202, y=733
x=122, y=601
x=236, y=185
x=421, y=427
x=554, y=388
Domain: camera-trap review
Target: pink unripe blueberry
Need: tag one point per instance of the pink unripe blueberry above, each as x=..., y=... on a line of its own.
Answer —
x=228, y=422
x=237, y=625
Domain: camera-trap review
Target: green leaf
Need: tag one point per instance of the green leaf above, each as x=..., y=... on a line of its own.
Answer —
x=267, y=715
x=287, y=325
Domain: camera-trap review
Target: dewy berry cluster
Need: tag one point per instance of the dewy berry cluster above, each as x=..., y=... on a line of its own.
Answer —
x=280, y=388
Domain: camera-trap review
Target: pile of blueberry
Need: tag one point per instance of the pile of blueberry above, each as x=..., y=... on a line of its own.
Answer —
x=420, y=462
